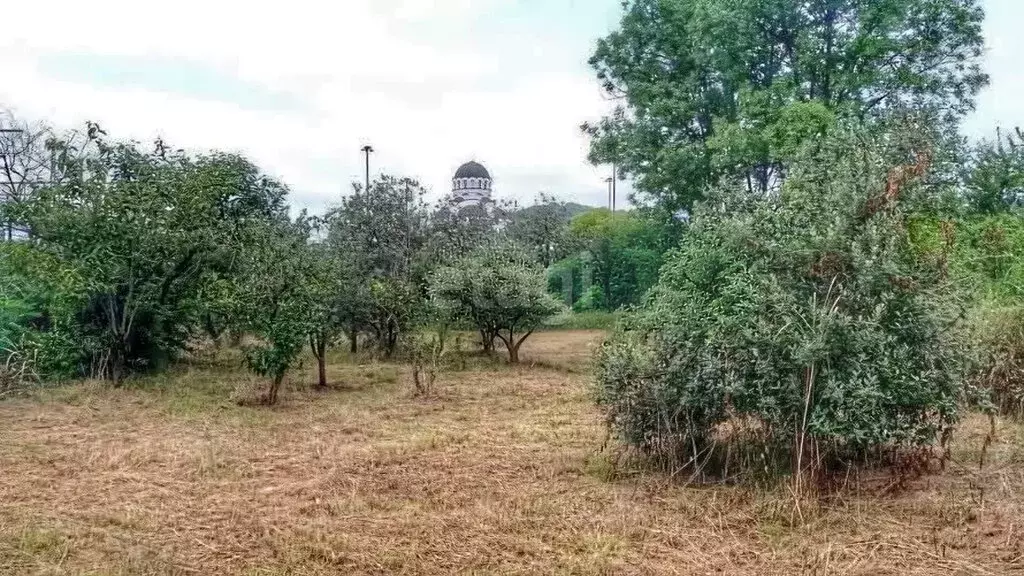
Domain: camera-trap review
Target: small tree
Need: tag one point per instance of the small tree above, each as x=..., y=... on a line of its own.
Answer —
x=499, y=290
x=274, y=302
x=326, y=305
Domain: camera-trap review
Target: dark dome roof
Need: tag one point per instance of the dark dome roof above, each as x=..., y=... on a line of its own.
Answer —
x=472, y=170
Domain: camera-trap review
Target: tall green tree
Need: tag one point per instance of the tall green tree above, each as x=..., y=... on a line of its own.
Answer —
x=544, y=229
x=712, y=88
x=379, y=234
x=621, y=254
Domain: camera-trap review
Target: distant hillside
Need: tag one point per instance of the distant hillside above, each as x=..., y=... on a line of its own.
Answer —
x=572, y=210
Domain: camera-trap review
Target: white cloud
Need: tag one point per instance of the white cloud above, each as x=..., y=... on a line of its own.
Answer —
x=405, y=75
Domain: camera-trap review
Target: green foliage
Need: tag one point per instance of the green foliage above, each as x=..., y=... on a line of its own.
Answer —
x=592, y=300
x=983, y=250
x=717, y=88
x=142, y=233
x=543, y=229
x=381, y=238
x=277, y=299
x=565, y=279
x=40, y=299
x=622, y=257
x=805, y=321
x=500, y=290
x=454, y=231
x=593, y=320
x=995, y=181
x=984, y=253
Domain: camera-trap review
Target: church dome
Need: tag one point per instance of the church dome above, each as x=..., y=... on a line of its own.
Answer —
x=472, y=185
x=472, y=170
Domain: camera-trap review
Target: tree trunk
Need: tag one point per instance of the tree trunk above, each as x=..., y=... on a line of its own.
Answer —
x=318, y=345
x=487, y=341
x=321, y=365
x=353, y=341
x=513, y=353
x=275, y=386
x=117, y=364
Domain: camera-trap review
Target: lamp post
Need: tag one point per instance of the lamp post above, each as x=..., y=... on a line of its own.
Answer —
x=367, y=150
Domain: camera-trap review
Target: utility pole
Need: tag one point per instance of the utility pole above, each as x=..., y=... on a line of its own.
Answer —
x=614, y=184
x=611, y=183
x=353, y=335
x=367, y=150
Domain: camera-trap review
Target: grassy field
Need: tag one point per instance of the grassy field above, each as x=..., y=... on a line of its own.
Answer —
x=503, y=472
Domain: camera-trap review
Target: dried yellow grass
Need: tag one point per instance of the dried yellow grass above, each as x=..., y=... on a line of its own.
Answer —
x=501, y=472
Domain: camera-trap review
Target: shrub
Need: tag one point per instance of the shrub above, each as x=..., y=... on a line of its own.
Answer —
x=985, y=254
x=1000, y=372
x=592, y=300
x=803, y=319
x=427, y=355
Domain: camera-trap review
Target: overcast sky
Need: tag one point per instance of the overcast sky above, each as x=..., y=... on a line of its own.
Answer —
x=300, y=86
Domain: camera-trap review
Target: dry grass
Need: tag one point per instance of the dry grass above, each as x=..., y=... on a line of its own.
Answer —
x=501, y=473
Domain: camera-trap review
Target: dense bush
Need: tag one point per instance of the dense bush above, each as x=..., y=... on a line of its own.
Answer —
x=41, y=298
x=984, y=252
x=804, y=320
x=134, y=236
x=1000, y=370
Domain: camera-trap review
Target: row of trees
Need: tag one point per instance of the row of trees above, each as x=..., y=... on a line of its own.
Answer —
x=123, y=256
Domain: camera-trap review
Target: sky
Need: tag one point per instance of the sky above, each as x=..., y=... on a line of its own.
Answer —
x=301, y=86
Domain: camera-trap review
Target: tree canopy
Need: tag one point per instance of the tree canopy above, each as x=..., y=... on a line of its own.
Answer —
x=500, y=290
x=713, y=88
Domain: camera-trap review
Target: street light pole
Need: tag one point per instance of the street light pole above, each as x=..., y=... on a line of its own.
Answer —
x=367, y=150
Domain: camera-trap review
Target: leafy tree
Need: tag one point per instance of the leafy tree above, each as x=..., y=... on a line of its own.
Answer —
x=995, y=180
x=379, y=234
x=544, y=229
x=456, y=231
x=808, y=316
x=278, y=298
x=145, y=231
x=714, y=88
x=329, y=289
x=500, y=290
x=622, y=255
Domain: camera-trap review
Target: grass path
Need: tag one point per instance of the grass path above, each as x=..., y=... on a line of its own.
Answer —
x=502, y=473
